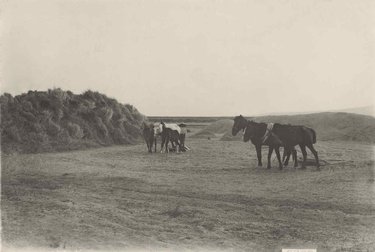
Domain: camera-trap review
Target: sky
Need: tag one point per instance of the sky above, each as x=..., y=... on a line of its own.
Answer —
x=195, y=57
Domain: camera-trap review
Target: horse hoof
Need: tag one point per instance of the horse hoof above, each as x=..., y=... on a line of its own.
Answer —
x=268, y=167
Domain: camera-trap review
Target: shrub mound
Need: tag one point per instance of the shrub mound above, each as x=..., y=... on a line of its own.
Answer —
x=58, y=120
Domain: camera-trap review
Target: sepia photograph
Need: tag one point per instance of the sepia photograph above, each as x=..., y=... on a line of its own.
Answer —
x=187, y=125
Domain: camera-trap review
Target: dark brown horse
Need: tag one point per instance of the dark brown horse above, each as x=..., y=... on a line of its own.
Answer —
x=149, y=135
x=289, y=135
x=287, y=153
x=272, y=141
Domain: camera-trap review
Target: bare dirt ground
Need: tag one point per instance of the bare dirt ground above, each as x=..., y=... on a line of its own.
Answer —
x=210, y=198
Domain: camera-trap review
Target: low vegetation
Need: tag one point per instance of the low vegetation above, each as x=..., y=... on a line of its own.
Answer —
x=58, y=120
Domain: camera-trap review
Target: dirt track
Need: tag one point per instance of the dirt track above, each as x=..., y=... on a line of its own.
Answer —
x=212, y=197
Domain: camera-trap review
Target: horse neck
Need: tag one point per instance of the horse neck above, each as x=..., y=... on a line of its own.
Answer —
x=260, y=129
x=244, y=124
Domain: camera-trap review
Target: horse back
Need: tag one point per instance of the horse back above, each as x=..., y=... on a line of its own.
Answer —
x=173, y=126
x=289, y=134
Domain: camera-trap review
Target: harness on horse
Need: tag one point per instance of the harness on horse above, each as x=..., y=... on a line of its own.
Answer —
x=268, y=132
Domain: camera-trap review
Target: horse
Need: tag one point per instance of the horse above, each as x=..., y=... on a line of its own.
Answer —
x=289, y=135
x=270, y=140
x=149, y=135
x=312, y=134
x=170, y=133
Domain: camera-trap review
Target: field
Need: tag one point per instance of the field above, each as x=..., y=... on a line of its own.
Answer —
x=210, y=198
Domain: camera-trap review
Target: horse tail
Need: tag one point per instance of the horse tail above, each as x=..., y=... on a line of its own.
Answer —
x=313, y=135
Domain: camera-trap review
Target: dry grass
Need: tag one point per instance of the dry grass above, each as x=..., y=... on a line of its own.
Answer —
x=212, y=197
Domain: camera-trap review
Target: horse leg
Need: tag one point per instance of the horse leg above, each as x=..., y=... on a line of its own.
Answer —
x=304, y=153
x=150, y=143
x=270, y=150
x=182, y=141
x=178, y=146
x=277, y=150
x=155, y=143
x=148, y=146
x=173, y=145
x=294, y=153
x=178, y=143
x=259, y=154
x=286, y=156
x=311, y=147
x=166, y=144
x=163, y=139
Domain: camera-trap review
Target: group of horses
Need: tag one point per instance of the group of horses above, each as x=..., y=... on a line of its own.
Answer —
x=275, y=136
x=167, y=132
x=272, y=135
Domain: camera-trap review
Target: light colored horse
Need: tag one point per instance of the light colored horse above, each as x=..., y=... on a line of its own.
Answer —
x=170, y=132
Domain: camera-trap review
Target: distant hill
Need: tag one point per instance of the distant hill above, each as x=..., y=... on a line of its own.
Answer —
x=215, y=129
x=367, y=110
x=58, y=120
x=187, y=119
x=332, y=125
x=328, y=125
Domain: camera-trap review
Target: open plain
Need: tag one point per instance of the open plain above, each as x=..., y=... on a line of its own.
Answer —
x=212, y=197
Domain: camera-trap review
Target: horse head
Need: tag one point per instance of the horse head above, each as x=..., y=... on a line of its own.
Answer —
x=240, y=123
x=158, y=129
